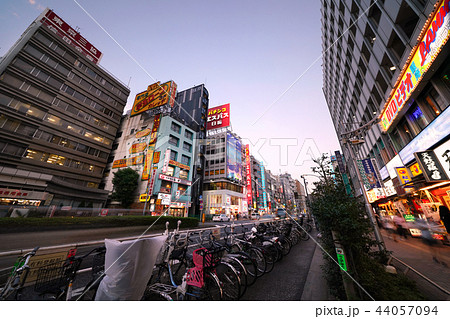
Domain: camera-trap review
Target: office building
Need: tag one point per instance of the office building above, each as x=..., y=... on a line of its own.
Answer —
x=59, y=115
x=385, y=64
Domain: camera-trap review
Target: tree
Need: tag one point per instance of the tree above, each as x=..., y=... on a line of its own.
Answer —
x=342, y=218
x=125, y=182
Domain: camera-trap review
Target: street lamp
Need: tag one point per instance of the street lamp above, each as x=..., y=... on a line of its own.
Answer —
x=349, y=139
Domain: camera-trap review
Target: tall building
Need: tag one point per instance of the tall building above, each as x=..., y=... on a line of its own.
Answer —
x=387, y=62
x=223, y=187
x=59, y=113
x=191, y=108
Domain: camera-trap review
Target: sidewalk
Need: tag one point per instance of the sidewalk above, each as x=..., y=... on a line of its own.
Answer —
x=316, y=288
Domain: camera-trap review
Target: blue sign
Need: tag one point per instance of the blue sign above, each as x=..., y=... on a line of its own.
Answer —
x=263, y=184
x=371, y=174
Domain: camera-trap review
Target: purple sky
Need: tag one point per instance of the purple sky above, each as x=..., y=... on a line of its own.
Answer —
x=246, y=52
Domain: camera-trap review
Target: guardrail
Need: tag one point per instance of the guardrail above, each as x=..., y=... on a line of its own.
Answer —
x=409, y=268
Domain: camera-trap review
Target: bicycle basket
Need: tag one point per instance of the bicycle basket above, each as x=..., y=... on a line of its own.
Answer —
x=204, y=258
x=194, y=277
x=53, y=277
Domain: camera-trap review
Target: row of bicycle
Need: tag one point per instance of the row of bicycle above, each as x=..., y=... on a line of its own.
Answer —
x=211, y=264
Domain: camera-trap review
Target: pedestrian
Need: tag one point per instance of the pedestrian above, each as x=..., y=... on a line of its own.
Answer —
x=401, y=226
x=391, y=228
x=444, y=214
x=431, y=242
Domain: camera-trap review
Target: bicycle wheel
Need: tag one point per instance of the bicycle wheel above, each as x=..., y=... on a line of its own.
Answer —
x=304, y=235
x=234, y=261
x=308, y=227
x=250, y=266
x=211, y=290
x=259, y=258
x=271, y=255
x=285, y=245
x=229, y=280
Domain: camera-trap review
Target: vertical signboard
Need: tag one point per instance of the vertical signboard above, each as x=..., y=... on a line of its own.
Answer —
x=340, y=162
x=234, y=158
x=443, y=155
x=403, y=176
x=263, y=186
x=166, y=161
x=366, y=183
x=431, y=168
x=249, y=175
x=151, y=148
x=371, y=174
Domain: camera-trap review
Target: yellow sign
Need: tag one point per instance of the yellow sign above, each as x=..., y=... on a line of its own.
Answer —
x=171, y=162
x=125, y=162
x=137, y=148
x=38, y=261
x=415, y=169
x=156, y=157
x=143, y=133
x=432, y=39
x=403, y=175
x=156, y=95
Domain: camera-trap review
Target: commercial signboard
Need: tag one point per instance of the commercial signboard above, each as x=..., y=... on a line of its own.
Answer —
x=263, y=185
x=403, y=176
x=174, y=179
x=165, y=198
x=71, y=37
x=435, y=131
x=431, y=168
x=143, y=133
x=234, y=158
x=340, y=161
x=249, y=175
x=137, y=148
x=151, y=148
x=166, y=161
x=370, y=170
x=431, y=40
x=415, y=169
x=155, y=96
x=365, y=180
x=443, y=155
x=126, y=162
x=218, y=117
x=178, y=164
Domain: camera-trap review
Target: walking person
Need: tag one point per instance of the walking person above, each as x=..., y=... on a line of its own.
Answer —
x=444, y=214
x=401, y=226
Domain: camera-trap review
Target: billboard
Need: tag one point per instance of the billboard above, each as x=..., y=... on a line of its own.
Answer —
x=431, y=40
x=249, y=175
x=218, y=119
x=234, y=158
x=430, y=166
x=155, y=96
x=71, y=37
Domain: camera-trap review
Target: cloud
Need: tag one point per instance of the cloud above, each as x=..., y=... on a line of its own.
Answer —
x=32, y=2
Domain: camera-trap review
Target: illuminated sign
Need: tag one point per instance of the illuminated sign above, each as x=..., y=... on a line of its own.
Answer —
x=137, y=148
x=125, y=162
x=249, y=175
x=443, y=155
x=174, y=179
x=156, y=95
x=151, y=148
x=432, y=169
x=415, y=169
x=403, y=175
x=143, y=133
x=432, y=134
x=166, y=161
x=71, y=37
x=156, y=156
x=172, y=162
x=263, y=185
x=432, y=38
x=218, y=117
x=234, y=158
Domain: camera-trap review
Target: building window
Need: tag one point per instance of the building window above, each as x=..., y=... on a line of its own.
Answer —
x=417, y=118
x=182, y=188
x=175, y=127
x=173, y=155
x=187, y=147
x=173, y=140
x=188, y=134
x=185, y=160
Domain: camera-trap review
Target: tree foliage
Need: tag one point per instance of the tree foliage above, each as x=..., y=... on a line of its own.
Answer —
x=344, y=216
x=125, y=182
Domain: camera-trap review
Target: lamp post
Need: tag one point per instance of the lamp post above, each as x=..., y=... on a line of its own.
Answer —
x=349, y=139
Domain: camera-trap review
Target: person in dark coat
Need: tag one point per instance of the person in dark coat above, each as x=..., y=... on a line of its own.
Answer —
x=444, y=214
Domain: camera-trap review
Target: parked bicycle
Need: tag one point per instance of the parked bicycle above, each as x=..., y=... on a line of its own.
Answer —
x=17, y=278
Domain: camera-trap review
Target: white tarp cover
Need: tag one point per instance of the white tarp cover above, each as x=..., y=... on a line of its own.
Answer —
x=128, y=267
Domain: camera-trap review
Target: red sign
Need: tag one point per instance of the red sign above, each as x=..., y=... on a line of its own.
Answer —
x=218, y=117
x=71, y=37
x=249, y=175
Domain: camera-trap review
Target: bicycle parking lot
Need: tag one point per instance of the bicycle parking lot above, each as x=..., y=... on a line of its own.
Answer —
x=242, y=293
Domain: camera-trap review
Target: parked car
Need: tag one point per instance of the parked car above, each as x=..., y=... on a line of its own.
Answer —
x=221, y=218
x=255, y=216
x=281, y=214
